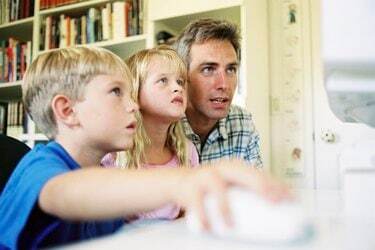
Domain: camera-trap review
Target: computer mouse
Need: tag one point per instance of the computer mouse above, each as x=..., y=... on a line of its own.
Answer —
x=255, y=219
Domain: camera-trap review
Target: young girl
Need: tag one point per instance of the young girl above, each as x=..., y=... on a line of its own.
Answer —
x=160, y=88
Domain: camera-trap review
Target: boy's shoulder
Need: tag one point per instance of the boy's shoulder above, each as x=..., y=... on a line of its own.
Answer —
x=38, y=166
x=51, y=152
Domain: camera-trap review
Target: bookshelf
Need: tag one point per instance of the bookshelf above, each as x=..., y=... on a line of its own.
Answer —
x=32, y=29
x=171, y=16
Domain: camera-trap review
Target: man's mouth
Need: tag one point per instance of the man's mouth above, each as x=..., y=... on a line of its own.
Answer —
x=219, y=100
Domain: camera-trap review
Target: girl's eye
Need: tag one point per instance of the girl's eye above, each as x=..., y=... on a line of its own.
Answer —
x=181, y=82
x=163, y=80
x=116, y=91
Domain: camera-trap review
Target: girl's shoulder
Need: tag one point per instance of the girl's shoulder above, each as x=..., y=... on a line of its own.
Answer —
x=192, y=153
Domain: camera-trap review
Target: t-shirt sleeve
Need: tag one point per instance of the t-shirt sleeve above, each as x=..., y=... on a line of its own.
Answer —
x=109, y=160
x=193, y=154
x=21, y=195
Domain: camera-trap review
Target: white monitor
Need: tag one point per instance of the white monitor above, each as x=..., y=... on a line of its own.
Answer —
x=348, y=50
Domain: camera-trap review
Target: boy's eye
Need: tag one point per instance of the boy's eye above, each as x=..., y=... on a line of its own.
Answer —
x=163, y=80
x=117, y=91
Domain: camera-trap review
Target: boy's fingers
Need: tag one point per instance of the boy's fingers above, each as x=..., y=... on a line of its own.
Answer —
x=218, y=188
x=198, y=208
x=260, y=182
x=223, y=204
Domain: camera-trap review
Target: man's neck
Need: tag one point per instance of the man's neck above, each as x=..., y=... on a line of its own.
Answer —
x=201, y=127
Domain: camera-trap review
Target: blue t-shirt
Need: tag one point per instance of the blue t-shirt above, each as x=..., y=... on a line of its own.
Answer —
x=23, y=224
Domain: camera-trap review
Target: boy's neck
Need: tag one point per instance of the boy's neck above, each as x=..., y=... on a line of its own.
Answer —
x=84, y=155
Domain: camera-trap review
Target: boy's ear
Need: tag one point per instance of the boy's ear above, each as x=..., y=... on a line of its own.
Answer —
x=62, y=107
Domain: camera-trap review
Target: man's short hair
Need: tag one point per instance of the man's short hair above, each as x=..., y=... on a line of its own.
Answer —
x=202, y=30
x=65, y=71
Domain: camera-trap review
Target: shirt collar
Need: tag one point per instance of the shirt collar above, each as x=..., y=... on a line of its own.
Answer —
x=222, y=131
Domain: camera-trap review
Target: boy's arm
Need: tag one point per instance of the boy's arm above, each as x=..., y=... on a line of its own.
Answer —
x=98, y=193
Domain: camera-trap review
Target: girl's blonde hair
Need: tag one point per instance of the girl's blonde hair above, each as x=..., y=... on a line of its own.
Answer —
x=176, y=139
x=65, y=71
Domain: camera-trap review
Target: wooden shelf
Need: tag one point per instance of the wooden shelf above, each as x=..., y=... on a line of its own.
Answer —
x=16, y=23
x=20, y=29
x=76, y=7
x=10, y=91
x=33, y=137
x=133, y=43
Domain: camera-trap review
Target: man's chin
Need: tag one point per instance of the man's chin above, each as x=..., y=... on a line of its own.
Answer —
x=218, y=114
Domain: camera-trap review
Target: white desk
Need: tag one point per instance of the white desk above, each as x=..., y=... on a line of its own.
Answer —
x=332, y=231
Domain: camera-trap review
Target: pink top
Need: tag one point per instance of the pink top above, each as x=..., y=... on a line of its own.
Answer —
x=169, y=211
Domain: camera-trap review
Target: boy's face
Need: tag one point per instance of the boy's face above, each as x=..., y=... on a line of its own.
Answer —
x=163, y=95
x=107, y=113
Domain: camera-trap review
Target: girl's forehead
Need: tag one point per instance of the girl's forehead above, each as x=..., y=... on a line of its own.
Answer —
x=161, y=64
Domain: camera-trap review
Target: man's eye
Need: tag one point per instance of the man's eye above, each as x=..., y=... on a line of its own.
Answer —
x=207, y=70
x=232, y=70
x=163, y=80
x=116, y=91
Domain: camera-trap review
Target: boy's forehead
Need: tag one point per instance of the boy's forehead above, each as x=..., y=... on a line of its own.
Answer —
x=113, y=79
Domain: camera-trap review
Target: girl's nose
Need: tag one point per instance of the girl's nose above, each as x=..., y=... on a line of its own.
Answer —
x=133, y=106
x=177, y=87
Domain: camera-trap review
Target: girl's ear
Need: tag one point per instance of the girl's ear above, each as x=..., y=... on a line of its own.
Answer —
x=62, y=107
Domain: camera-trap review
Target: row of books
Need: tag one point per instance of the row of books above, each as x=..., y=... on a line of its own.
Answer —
x=13, y=10
x=47, y=4
x=15, y=57
x=109, y=22
x=13, y=119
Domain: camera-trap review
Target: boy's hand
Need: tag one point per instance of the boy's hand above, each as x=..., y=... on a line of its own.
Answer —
x=216, y=179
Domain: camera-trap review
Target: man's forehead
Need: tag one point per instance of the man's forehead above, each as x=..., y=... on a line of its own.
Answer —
x=213, y=59
x=212, y=50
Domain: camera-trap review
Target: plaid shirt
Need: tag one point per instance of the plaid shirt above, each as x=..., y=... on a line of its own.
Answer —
x=233, y=136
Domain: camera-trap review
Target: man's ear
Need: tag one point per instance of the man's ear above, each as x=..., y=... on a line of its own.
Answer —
x=62, y=107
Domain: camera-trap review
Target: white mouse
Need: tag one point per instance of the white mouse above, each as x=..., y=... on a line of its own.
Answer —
x=255, y=219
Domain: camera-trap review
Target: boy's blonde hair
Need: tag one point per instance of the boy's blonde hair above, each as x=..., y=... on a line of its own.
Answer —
x=176, y=139
x=64, y=71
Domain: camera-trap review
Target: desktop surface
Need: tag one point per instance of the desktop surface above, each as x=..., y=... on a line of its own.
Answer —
x=331, y=230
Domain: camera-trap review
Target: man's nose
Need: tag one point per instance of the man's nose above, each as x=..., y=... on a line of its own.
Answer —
x=221, y=81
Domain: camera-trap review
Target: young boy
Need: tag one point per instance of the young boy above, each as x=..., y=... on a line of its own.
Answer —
x=80, y=98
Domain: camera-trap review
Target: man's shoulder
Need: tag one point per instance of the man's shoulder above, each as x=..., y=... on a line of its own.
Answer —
x=237, y=110
x=238, y=114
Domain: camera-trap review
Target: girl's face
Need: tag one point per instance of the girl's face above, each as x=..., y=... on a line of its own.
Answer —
x=163, y=93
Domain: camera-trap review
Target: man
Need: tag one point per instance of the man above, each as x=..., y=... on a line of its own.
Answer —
x=210, y=49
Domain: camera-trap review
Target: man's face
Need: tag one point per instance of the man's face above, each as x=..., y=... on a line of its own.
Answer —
x=213, y=79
